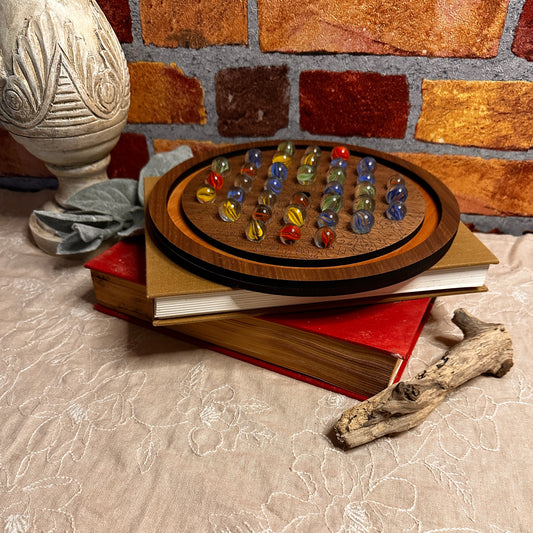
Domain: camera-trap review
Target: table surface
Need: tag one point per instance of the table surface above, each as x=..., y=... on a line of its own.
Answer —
x=107, y=426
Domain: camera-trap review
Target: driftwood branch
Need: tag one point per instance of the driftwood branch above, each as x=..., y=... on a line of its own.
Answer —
x=485, y=349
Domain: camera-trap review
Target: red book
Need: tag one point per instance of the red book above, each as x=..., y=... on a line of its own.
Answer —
x=356, y=351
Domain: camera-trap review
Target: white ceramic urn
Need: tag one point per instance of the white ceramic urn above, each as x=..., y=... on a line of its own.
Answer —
x=64, y=89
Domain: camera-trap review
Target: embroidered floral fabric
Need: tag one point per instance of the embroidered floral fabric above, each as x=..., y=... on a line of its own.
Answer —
x=106, y=426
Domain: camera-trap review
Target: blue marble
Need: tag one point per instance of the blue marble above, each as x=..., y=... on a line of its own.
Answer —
x=327, y=218
x=362, y=221
x=339, y=162
x=334, y=187
x=367, y=164
x=278, y=170
x=396, y=211
x=236, y=193
x=274, y=185
x=396, y=193
x=254, y=155
x=366, y=176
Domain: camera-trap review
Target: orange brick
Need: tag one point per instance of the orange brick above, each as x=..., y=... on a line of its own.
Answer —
x=482, y=186
x=194, y=23
x=485, y=114
x=461, y=28
x=162, y=94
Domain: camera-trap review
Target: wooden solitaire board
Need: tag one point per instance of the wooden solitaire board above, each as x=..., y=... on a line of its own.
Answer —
x=194, y=236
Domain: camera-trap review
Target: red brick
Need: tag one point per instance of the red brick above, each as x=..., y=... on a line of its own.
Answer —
x=194, y=23
x=17, y=161
x=252, y=101
x=461, y=28
x=484, y=114
x=497, y=187
x=162, y=94
x=118, y=14
x=129, y=156
x=363, y=104
x=523, y=38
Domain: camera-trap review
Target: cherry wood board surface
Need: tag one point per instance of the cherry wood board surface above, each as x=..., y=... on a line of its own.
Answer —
x=194, y=236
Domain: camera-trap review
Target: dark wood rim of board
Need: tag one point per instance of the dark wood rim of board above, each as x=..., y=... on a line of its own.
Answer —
x=189, y=250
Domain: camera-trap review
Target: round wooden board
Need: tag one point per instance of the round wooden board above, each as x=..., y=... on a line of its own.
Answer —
x=194, y=236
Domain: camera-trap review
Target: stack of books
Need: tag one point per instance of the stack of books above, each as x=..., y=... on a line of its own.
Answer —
x=354, y=345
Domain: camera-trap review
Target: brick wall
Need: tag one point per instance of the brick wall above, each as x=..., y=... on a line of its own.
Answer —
x=445, y=84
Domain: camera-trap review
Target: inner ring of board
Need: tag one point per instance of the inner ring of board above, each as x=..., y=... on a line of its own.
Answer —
x=385, y=236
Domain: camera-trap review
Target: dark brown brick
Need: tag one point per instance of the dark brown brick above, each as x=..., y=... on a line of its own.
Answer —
x=162, y=94
x=118, y=14
x=194, y=23
x=497, y=187
x=523, y=38
x=129, y=156
x=252, y=101
x=461, y=28
x=363, y=104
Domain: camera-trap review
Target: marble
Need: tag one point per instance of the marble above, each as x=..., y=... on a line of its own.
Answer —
x=366, y=176
x=220, y=165
x=327, y=218
x=339, y=162
x=236, y=193
x=278, y=170
x=267, y=198
x=245, y=181
x=290, y=234
x=324, y=237
x=254, y=156
x=334, y=187
x=295, y=214
x=331, y=201
x=255, y=230
x=365, y=188
x=215, y=180
x=286, y=147
x=340, y=152
x=262, y=212
x=366, y=164
x=396, y=193
x=274, y=185
x=310, y=159
x=336, y=174
x=396, y=211
x=364, y=202
x=301, y=197
x=395, y=179
x=314, y=149
x=306, y=175
x=230, y=210
x=206, y=194
x=250, y=169
x=362, y=221
x=282, y=157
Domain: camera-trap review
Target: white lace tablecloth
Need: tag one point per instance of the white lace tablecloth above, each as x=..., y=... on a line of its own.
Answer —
x=108, y=427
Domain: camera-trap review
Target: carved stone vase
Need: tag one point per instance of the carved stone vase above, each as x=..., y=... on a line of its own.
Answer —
x=64, y=91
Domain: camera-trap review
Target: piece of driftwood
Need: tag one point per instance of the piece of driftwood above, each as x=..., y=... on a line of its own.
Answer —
x=485, y=349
